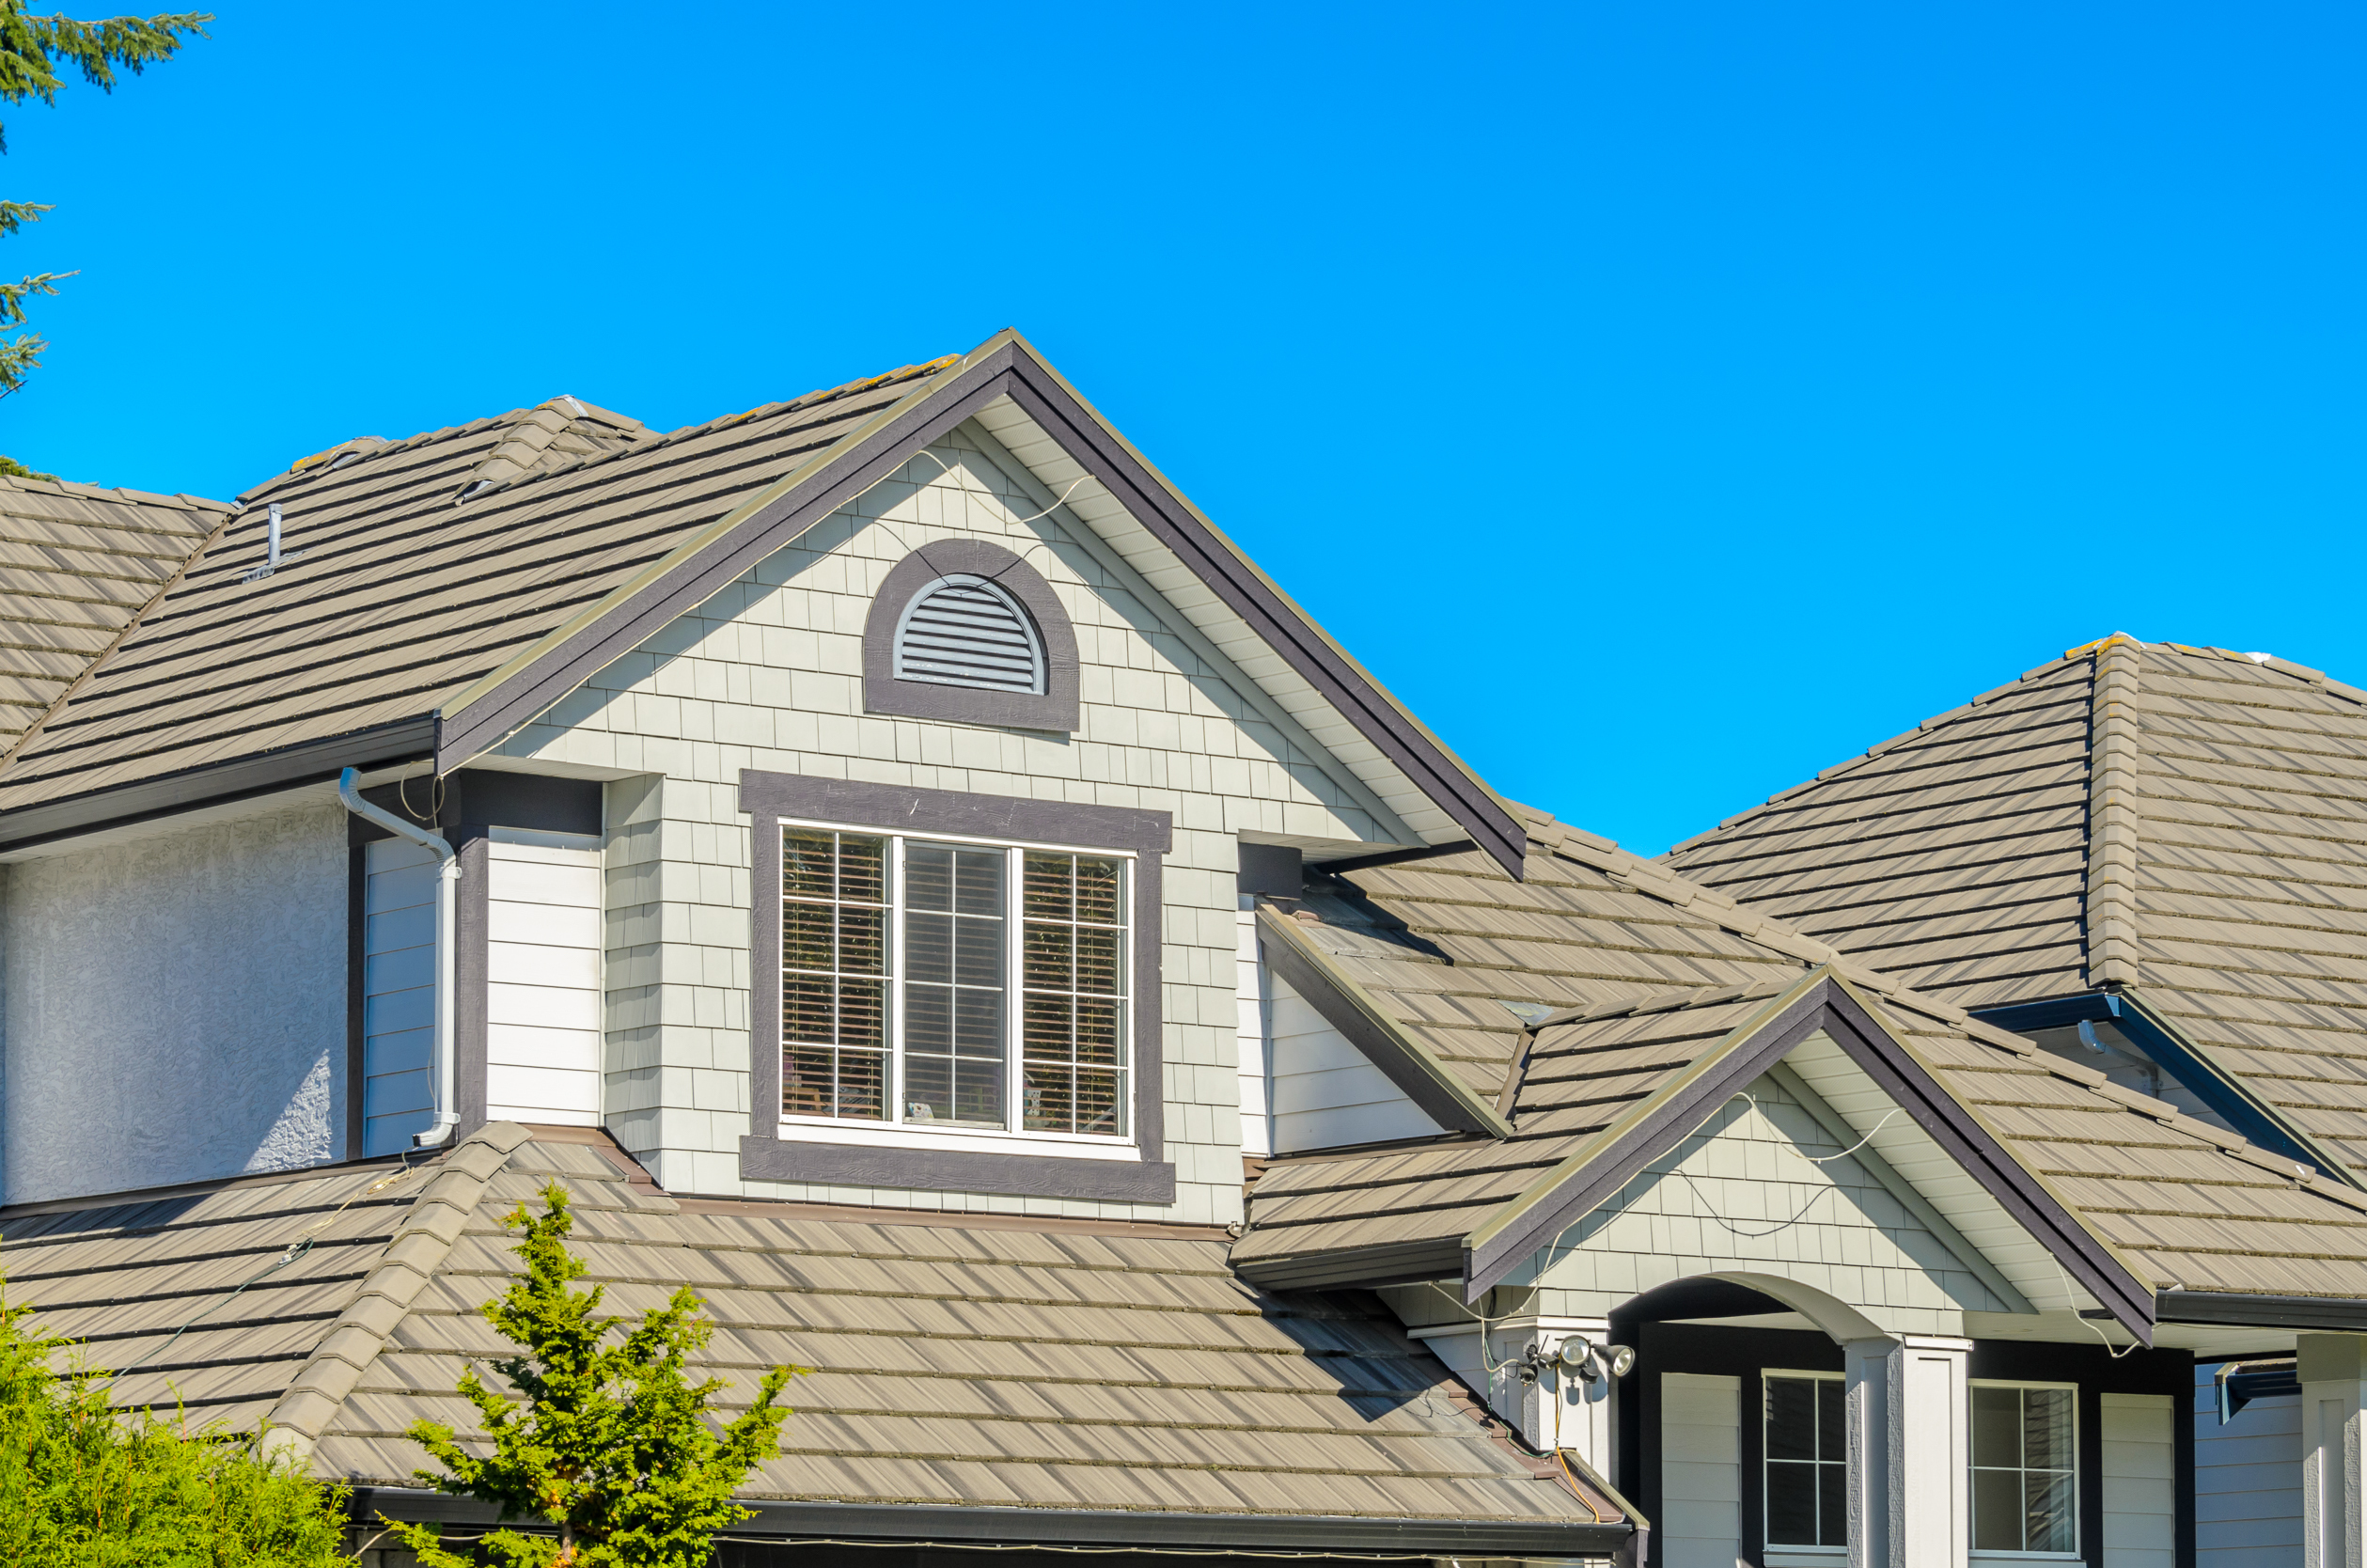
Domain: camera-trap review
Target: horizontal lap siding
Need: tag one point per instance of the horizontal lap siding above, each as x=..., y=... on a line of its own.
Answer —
x=1700, y=1471
x=1327, y=1094
x=2246, y=1482
x=2140, y=1501
x=397, y=994
x=542, y=984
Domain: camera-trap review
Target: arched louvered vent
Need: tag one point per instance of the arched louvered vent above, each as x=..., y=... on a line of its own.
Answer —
x=966, y=631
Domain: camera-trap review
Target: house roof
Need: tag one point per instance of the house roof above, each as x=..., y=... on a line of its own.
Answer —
x=78, y=566
x=1177, y=1392
x=456, y=586
x=426, y=564
x=2184, y=825
x=1657, y=979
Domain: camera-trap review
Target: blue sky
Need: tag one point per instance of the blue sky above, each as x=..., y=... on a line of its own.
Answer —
x=1666, y=401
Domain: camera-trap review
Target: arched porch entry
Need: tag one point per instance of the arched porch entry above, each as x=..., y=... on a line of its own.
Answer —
x=1867, y=1429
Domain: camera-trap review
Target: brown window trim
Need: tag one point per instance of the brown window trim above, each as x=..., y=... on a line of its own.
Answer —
x=766, y=1156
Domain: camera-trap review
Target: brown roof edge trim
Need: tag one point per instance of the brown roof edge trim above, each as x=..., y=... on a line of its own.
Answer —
x=1900, y=1073
x=921, y=1524
x=1587, y=1179
x=946, y=1220
x=2328, y=1314
x=1046, y=398
x=1005, y=366
x=1362, y=1268
x=217, y=783
x=1347, y=1006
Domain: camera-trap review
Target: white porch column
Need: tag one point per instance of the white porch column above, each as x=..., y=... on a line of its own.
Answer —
x=2332, y=1369
x=1909, y=1488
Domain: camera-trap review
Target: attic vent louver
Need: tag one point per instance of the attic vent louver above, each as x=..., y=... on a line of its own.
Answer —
x=965, y=631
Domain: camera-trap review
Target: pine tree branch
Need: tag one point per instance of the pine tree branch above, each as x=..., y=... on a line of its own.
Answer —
x=33, y=47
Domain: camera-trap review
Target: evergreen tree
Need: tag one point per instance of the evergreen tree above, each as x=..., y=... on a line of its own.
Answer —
x=610, y=1444
x=32, y=48
x=83, y=1485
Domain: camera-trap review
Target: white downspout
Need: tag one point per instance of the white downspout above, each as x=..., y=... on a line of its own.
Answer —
x=446, y=880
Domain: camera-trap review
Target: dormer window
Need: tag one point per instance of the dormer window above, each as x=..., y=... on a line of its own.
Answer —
x=967, y=631
x=964, y=630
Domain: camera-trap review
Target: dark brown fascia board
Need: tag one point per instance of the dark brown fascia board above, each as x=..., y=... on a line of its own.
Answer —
x=922, y=1524
x=1531, y=1222
x=1359, y=1268
x=1347, y=1006
x=1005, y=366
x=218, y=783
x=2309, y=1313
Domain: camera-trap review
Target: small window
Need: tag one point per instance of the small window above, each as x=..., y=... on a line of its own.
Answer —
x=899, y=975
x=965, y=631
x=2025, y=1491
x=1807, y=1454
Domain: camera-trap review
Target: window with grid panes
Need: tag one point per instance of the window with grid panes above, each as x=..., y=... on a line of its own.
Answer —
x=907, y=1001
x=1807, y=1458
x=2025, y=1473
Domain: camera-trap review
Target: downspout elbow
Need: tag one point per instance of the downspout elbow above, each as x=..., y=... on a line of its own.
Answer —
x=447, y=877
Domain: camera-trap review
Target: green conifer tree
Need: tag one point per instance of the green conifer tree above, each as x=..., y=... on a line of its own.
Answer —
x=31, y=50
x=610, y=1444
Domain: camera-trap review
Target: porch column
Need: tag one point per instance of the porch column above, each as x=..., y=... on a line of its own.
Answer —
x=2332, y=1369
x=1909, y=1503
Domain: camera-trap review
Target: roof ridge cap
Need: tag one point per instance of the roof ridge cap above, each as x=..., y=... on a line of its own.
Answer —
x=2113, y=757
x=421, y=1244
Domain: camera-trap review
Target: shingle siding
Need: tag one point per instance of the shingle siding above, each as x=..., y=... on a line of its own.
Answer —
x=768, y=675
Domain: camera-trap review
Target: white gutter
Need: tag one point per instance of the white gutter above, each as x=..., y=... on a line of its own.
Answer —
x=446, y=880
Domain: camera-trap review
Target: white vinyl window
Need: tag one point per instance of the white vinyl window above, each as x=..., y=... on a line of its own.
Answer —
x=944, y=984
x=1807, y=1457
x=2024, y=1469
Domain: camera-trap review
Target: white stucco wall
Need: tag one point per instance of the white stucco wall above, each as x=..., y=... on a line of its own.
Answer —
x=768, y=675
x=174, y=1008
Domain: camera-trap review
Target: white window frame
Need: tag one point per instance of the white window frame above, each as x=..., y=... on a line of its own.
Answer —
x=2079, y=1525
x=1786, y=1554
x=902, y=1131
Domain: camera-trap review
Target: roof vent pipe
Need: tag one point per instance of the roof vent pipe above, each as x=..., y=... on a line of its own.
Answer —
x=271, y=543
x=447, y=876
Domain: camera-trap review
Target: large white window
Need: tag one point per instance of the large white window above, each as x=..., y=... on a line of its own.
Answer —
x=951, y=985
x=2024, y=1470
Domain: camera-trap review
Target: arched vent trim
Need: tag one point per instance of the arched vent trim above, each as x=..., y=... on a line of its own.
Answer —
x=964, y=629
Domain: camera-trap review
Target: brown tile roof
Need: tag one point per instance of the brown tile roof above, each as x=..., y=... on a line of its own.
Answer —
x=1057, y=1366
x=1654, y=973
x=2187, y=823
x=78, y=565
x=427, y=563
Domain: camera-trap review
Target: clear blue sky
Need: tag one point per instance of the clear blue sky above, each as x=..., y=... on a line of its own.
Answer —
x=1666, y=400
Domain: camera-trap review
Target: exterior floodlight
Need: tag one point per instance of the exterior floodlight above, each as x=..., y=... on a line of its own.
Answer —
x=1622, y=1360
x=1575, y=1353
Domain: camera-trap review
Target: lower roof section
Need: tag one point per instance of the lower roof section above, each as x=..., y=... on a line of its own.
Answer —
x=1115, y=1385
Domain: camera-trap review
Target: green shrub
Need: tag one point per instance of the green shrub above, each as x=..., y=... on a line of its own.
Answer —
x=85, y=1485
